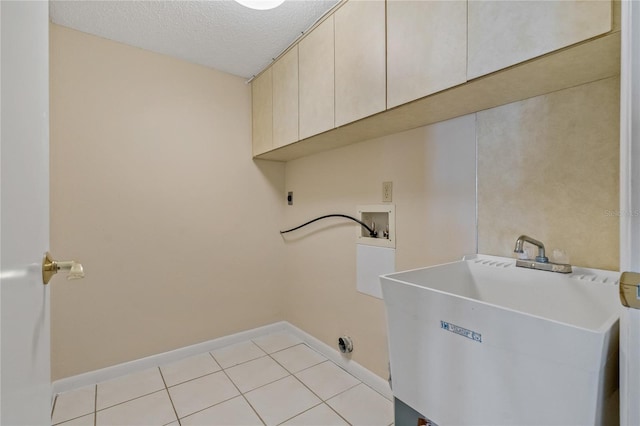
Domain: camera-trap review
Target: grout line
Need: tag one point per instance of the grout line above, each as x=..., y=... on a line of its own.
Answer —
x=353, y=368
x=166, y=388
x=290, y=347
x=325, y=401
x=282, y=366
x=306, y=368
x=279, y=350
x=308, y=388
x=191, y=380
x=315, y=365
x=55, y=401
x=135, y=366
x=215, y=360
x=339, y=415
x=223, y=370
x=209, y=406
x=245, y=398
x=346, y=390
x=296, y=378
x=129, y=400
x=360, y=382
x=300, y=413
x=74, y=418
x=243, y=362
x=266, y=384
x=390, y=400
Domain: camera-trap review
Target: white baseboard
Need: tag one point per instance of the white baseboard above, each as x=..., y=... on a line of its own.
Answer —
x=108, y=373
x=367, y=377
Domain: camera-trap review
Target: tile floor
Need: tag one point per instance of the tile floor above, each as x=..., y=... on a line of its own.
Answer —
x=271, y=380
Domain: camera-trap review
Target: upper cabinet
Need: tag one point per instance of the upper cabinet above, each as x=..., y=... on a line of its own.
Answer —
x=285, y=99
x=505, y=33
x=426, y=48
x=360, y=60
x=376, y=67
x=262, y=112
x=316, y=78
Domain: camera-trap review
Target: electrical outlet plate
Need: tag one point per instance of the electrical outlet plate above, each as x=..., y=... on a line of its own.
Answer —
x=387, y=192
x=383, y=215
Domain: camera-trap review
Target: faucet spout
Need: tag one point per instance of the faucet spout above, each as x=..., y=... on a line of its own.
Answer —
x=541, y=257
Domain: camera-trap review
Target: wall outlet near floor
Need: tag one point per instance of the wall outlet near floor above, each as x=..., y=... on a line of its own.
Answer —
x=387, y=192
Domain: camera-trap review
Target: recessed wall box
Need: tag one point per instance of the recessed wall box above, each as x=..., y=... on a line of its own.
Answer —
x=384, y=218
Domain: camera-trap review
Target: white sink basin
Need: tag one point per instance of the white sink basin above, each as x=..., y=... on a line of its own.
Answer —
x=481, y=342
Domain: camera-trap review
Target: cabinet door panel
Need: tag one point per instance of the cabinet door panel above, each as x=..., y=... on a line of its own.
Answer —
x=316, y=67
x=285, y=99
x=504, y=33
x=426, y=48
x=262, y=112
x=360, y=60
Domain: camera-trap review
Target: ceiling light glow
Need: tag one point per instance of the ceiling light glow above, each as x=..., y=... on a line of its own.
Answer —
x=260, y=4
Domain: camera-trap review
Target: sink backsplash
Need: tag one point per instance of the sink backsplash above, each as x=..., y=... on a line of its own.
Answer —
x=548, y=166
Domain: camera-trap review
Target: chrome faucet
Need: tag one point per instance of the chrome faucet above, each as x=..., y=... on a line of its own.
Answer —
x=541, y=254
x=541, y=261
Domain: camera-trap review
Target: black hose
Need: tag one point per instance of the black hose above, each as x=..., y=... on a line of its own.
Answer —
x=372, y=233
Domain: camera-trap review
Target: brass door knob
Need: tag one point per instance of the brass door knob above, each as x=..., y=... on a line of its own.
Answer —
x=51, y=267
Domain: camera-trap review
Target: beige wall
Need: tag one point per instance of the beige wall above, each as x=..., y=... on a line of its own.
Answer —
x=549, y=167
x=566, y=142
x=433, y=174
x=154, y=190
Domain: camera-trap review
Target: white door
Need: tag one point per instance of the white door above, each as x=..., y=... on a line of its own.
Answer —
x=630, y=208
x=25, y=394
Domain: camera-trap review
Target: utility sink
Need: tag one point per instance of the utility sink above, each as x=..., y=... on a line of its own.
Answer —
x=481, y=342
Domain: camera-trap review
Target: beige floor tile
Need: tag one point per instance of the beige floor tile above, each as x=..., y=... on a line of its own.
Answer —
x=128, y=387
x=87, y=420
x=235, y=412
x=298, y=358
x=189, y=368
x=154, y=409
x=281, y=400
x=363, y=406
x=256, y=373
x=327, y=379
x=72, y=404
x=320, y=415
x=202, y=393
x=237, y=354
x=276, y=341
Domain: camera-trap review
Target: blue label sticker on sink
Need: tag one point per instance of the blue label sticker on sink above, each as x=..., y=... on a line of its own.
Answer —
x=461, y=331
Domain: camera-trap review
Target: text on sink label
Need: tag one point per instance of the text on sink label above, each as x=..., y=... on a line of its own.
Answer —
x=469, y=334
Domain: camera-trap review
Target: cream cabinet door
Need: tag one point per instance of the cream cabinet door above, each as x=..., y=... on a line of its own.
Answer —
x=504, y=33
x=262, y=112
x=426, y=48
x=316, y=68
x=285, y=99
x=360, y=60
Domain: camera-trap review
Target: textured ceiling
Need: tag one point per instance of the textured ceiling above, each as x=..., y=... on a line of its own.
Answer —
x=220, y=34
